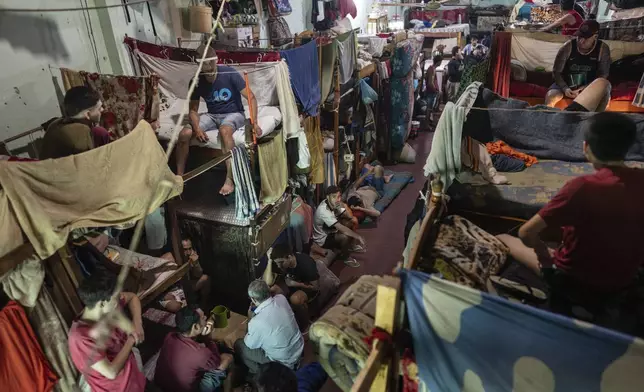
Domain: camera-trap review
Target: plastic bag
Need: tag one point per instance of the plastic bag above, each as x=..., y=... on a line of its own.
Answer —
x=368, y=94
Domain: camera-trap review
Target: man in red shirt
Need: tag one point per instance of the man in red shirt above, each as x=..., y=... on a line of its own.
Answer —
x=101, y=346
x=601, y=215
x=184, y=364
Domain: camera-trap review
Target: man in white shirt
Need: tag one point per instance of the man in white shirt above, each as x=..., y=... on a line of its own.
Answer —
x=329, y=233
x=273, y=334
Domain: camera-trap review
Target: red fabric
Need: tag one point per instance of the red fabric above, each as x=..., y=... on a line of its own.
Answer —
x=377, y=333
x=19, y=159
x=624, y=91
x=101, y=136
x=572, y=29
x=523, y=89
x=23, y=366
x=500, y=147
x=601, y=215
x=85, y=352
x=347, y=7
x=500, y=66
x=160, y=51
x=409, y=367
x=246, y=57
x=448, y=15
x=180, y=362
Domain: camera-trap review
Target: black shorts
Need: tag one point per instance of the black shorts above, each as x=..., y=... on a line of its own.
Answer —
x=575, y=107
x=331, y=242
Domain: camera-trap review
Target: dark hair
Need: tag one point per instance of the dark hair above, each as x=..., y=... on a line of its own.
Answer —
x=455, y=50
x=98, y=287
x=78, y=99
x=281, y=251
x=437, y=59
x=331, y=190
x=475, y=37
x=185, y=318
x=610, y=135
x=354, y=201
x=567, y=5
x=275, y=377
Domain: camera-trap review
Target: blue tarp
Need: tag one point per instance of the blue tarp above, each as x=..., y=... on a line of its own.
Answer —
x=304, y=69
x=465, y=340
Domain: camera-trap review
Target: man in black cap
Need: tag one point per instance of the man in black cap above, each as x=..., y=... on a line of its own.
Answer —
x=579, y=62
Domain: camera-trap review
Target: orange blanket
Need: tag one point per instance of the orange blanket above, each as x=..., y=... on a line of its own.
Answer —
x=23, y=366
x=500, y=147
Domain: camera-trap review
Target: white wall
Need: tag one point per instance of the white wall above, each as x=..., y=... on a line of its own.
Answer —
x=29, y=44
x=300, y=19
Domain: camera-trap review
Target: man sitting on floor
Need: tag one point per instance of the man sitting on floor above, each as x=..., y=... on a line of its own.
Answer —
x=329, y=233
x=273, y=334
x=302, y=273
x=601, y=215
x=579, y=62
x=78, y=131
x=222, y=88
x=184, y=364
x=100, y=345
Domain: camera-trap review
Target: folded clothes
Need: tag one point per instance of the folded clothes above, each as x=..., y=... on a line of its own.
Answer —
x=508, y=164
x=501, y=147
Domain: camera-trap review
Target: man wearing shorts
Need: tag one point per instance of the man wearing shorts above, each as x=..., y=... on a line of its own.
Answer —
x=222, y=88
x=579, y=62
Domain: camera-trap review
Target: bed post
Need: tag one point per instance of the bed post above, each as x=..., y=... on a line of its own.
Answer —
x=434, y=207
x=336, y=121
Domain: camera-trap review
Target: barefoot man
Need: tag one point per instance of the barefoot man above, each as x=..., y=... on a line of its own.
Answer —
x=222, y=88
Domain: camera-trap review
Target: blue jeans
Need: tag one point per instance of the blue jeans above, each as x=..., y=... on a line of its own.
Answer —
x=212, y=381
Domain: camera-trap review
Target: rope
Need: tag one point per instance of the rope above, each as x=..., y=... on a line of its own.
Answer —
x=75, y=9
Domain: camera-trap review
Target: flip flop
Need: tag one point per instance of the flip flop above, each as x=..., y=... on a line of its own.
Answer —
x=351, y=262
x=519, y=288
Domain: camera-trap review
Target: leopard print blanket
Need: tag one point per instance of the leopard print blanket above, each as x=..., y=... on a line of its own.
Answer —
x=466, y=254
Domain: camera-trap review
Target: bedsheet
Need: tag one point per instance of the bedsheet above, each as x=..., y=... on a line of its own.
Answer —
x=269, y=118
x=527, y=192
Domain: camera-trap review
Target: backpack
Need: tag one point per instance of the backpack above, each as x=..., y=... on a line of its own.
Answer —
x=279, y=31
x=279, y=7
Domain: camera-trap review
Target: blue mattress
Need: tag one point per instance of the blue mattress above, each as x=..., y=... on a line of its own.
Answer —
x=398, y=182
x=527, y=192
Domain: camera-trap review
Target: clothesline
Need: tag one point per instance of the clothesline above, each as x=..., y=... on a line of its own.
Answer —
x=101, y=7
x=208, y=73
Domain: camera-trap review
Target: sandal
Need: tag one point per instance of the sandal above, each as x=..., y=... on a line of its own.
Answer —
x=351, y=262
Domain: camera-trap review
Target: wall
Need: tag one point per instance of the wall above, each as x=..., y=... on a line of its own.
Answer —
x=300, y=19
x=29, y=44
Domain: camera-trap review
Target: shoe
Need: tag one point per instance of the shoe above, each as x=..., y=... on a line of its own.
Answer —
x=351, y=262
x=357, y=249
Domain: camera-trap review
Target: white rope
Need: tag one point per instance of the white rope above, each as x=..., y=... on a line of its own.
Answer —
x=77, y=8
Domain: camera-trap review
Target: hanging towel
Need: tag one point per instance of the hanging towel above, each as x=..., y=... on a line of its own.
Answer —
x=23, y=366
x=246, y=203
x=126, y=99
x=445, y=155
x=303, y=66
x=501, y=147
x=316, y=148
x=348, y=56
x=106, y=186
x=290, y=118
x=329, y=56
x=330, y=176
x=273, y=168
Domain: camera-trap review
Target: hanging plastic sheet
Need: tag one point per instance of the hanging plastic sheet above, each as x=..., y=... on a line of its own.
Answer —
x=466, y=340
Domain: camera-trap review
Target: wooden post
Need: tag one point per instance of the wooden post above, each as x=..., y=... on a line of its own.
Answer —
x=434, y=206
x=336, y=122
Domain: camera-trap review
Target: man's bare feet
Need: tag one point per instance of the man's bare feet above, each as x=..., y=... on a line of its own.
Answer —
x=228, y=188
x=388, y=178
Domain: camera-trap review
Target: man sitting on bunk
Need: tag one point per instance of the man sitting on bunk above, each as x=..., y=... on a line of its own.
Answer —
x=579, y=62
x=367, y=189
x=78, y=130
x=222, y=88
x=185, y=364
x=273, y=334
x=601, y=215
x=329, y=233
x=101, y=344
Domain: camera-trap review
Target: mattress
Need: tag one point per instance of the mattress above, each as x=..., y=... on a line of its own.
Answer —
x=613, y=106
x=528, y=191
x=269, y=118
x=393, y=188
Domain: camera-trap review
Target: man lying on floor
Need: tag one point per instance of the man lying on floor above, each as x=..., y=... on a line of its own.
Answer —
x=222, y=88
x=367, y=190
x=185, y=364
x=601, y=215
x=329, y=233
x=579, y=62
x=273, y=334
x=102, y=351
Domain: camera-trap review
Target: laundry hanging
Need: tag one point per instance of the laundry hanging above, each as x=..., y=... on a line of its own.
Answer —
x=23, y=366
x=348, y=56
x=126, y=99
x=273, y=168
x=303, y=66
x=329, y=56
x=246, y=203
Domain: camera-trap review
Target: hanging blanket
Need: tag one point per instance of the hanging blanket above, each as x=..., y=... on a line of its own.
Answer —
x=329, y=56
x=316, y=149
x=246, y=203
x=107, y=186
x=545, y=135
x=348, y=56
x=126, y=99
x=303, y=66
x=273, y=169
x=402, y=94
x=161, y=51
x=339, y=333
x=465, y=340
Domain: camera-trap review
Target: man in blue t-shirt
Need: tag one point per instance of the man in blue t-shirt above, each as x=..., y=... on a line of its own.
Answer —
x=222, y=88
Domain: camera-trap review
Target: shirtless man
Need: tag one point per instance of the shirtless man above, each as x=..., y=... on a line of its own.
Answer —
x=368, y=189
x=222, y=88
